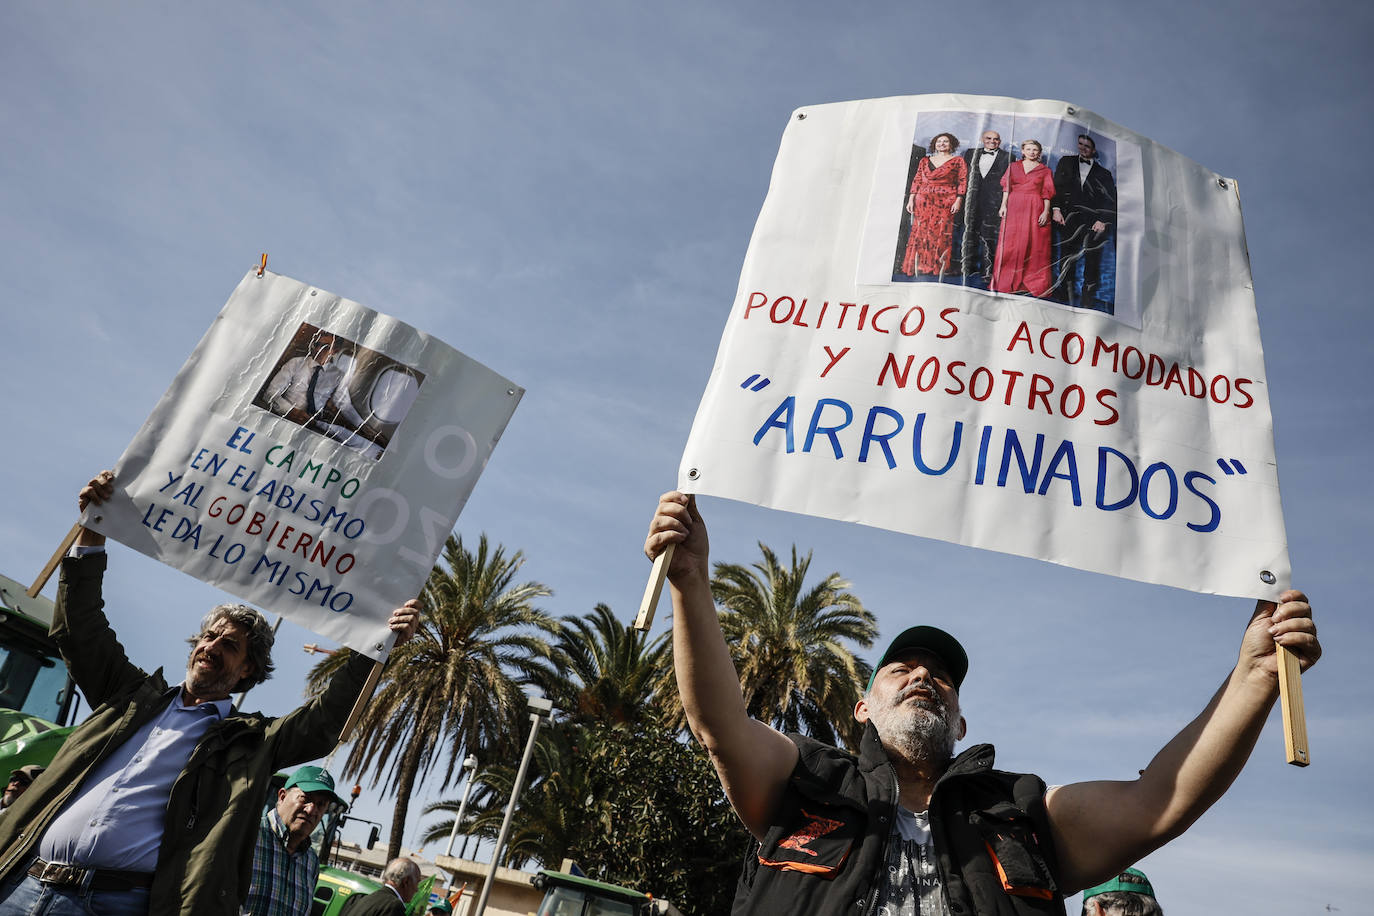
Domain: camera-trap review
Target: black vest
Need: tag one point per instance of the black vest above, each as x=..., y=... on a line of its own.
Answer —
x=830, y=832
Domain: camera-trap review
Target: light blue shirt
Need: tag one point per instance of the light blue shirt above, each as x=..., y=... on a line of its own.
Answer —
x=116, y=819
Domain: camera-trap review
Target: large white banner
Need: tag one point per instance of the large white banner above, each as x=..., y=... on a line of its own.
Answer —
x=310, y=457
x=1008, y=324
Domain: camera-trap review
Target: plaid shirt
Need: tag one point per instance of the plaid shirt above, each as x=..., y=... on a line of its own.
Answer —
x=283, y=883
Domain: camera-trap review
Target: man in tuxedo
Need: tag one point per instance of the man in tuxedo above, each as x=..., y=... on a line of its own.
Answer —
x=1084, y=209
x=400, y=881
x=986, y=166
x=310, y=390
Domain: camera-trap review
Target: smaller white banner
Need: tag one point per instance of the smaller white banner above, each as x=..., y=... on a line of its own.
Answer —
x=310, y=457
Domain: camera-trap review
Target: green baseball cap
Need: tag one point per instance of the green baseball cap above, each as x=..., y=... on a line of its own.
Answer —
x=933, y=640
x=1130, y=881
x=441, y=906
x=313, y=779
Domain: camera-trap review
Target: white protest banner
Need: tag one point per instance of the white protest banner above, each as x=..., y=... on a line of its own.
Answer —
x=310, y=457
x=1052, y=353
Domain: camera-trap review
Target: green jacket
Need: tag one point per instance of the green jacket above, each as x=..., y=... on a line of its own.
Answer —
x=205, y=862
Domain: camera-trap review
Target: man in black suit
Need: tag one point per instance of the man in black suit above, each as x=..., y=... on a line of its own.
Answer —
x=986, y=166
x=400, y=881
x=1084, y=209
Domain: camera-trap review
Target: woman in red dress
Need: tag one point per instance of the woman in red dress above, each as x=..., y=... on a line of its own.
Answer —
x=1023, y=246
x=937, y=193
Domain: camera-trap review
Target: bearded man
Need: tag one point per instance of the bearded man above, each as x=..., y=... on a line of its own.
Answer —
x=907, y=829
x=152, y=804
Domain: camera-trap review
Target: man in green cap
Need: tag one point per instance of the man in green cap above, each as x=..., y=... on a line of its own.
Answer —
x=904, y=826
x=441, y=908
x=20, y=780
x=1128, y=894
x=285, y=868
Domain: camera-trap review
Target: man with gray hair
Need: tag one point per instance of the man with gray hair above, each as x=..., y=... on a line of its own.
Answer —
x=400, y=881
x=152, y=804
x=904, y=827
x=285, y=867
x=1128, y=894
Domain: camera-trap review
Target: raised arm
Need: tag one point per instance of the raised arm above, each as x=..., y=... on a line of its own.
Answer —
x=754, y=761
x=96, y=491
x=312, y=730
x=1101, y=827
x=93, y=654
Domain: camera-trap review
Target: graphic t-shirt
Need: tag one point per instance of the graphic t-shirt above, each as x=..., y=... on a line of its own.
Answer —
x=910, y=883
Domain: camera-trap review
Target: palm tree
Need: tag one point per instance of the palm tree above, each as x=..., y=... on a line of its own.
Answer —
x=557, y=808
x=455, y=685
x=632, y=804
x=788, y=644
x=600, y=670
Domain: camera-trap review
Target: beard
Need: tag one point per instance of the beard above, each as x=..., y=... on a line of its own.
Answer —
x=923, y=731
x=208, y=683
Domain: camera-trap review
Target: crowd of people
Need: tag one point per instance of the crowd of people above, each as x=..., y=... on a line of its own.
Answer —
x=154, y=804
x=158, y=802
x=1008, y=216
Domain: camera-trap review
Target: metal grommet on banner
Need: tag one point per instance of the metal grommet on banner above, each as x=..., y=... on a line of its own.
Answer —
x=510, y=391
x=1267, y=577
x=1070, y=109
x=801, y=116
x=693, y=473
x=263, y=266
x=1221, y=183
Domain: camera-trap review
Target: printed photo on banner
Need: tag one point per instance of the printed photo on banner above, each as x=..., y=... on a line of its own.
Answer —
x=330, y=385
x=1011, y=204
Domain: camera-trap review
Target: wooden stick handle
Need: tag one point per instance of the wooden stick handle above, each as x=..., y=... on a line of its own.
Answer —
x=657, y=576
x=364, y=698
x=1290, y=700
x=56, y=558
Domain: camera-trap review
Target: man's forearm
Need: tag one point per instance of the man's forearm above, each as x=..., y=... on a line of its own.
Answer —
x=1196, y=768
x=94, y=657
x=706, y=676
x=753, y=760
x=1100, y=827
x=312, y=730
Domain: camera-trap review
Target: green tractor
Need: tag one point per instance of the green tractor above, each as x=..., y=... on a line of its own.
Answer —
x=335, y=886
x=37, y=698
x=574, y=894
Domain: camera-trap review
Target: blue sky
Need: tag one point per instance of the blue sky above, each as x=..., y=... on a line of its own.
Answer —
x=565, y=191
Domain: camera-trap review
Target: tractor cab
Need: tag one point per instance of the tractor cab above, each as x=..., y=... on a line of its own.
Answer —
x=36, y=694
x=577, y=895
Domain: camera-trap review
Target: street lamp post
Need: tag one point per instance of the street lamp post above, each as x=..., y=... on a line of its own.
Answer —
x=469, y=764
x=540, y=709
